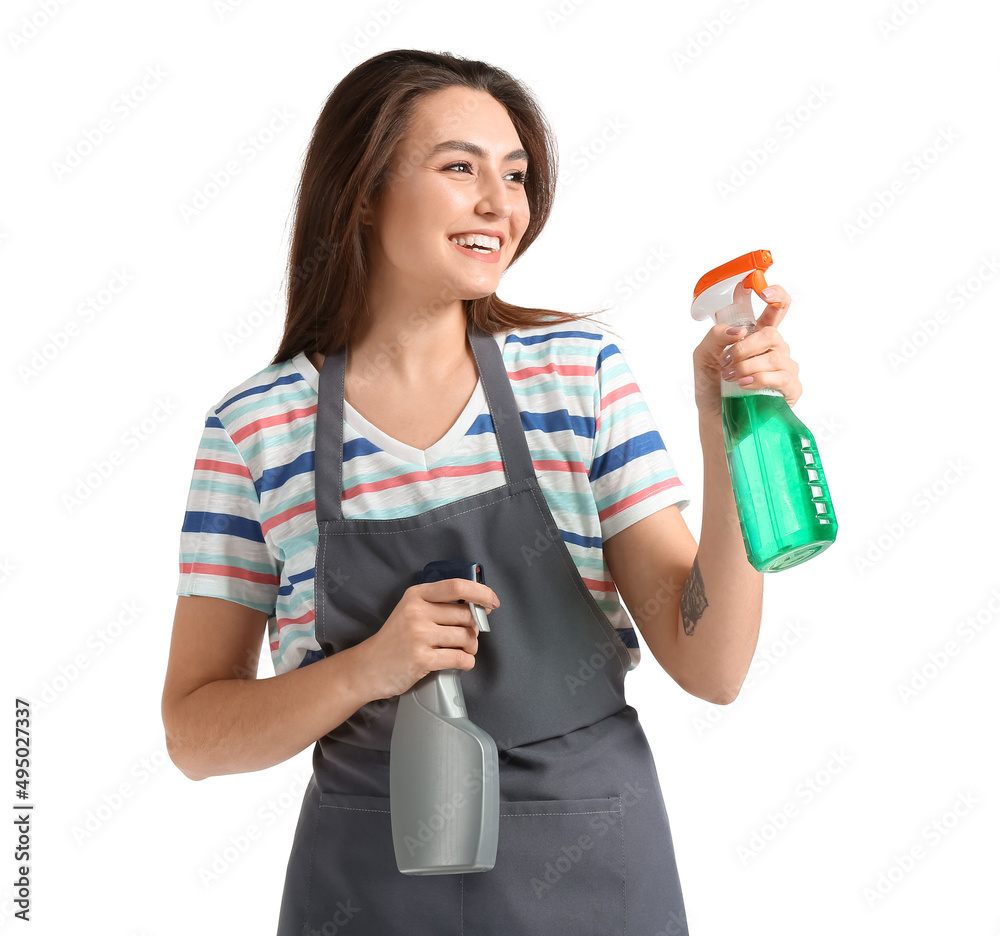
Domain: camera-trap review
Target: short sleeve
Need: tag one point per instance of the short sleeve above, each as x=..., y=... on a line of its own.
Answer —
x=223, y=553
x=632, y=474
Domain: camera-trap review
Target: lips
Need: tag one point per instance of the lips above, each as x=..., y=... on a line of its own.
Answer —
x=492, y=256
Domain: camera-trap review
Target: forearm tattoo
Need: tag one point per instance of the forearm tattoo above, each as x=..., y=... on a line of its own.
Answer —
x=693, y=601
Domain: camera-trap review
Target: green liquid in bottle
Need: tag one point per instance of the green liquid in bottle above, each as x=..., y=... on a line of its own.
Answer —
x=785, y=509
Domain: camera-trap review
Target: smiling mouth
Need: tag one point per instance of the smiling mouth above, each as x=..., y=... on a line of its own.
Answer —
x=480, y=243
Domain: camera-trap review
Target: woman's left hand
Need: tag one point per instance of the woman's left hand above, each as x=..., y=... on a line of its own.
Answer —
x=761, y=356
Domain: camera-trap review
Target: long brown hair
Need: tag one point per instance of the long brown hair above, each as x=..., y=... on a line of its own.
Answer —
x=347, y=167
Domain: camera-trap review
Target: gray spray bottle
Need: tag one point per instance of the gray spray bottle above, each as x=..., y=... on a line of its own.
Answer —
x=444, y=784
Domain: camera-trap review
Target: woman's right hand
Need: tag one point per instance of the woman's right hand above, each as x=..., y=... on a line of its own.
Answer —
x=425, y=632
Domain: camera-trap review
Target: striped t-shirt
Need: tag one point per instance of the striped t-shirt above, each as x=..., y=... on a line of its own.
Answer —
x=250, y=533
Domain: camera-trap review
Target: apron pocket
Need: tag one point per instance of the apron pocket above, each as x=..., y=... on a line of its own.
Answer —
x=354, y=884
x=557, y=861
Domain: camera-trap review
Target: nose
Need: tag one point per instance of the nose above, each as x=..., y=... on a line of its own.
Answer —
x=494, y=197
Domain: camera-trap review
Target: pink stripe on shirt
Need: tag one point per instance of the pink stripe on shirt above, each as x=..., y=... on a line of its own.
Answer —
x=638, y=496
x=280, y=419
x=446, y=471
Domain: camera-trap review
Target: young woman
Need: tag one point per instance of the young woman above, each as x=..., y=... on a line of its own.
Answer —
x=411, y=415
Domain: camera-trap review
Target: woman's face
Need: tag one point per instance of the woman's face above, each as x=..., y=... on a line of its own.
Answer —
x=459, y=169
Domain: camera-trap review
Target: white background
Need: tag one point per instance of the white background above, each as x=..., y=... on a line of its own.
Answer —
x=656, y=108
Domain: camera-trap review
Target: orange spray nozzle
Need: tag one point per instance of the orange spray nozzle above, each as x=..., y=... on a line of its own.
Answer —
x=714, y=291
x=757, y=262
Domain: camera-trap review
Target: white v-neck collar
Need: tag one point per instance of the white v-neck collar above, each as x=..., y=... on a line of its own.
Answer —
x=423, y=458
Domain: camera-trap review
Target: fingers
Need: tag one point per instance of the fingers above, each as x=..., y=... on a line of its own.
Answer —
x=757, y=373
x=784, y=380
x=762, y=360
x=447, y=614
x=765, y=339
x=458, y=589
x=778, y=302
x=457, y=638
x=716, y=338
x=460, y=601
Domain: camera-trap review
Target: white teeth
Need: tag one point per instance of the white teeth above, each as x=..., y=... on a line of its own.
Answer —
x=488, y=244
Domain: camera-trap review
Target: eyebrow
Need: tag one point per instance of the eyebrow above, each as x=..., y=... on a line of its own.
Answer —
x=475, y=149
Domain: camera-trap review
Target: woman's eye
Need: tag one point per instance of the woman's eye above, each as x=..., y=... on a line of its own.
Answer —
x=520, y=176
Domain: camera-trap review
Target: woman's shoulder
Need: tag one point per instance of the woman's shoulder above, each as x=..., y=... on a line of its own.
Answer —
x=273, y=390
x=558, y=339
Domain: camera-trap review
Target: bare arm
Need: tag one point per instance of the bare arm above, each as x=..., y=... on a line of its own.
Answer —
x=697, y=606
x=721, y=602
x=219, y=718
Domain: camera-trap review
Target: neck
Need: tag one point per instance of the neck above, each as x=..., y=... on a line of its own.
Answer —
x=410, y=346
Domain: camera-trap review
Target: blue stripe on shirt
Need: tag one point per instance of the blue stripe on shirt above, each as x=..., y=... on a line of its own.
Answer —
x=197, y=521
x=261, y=388
x=628, y=451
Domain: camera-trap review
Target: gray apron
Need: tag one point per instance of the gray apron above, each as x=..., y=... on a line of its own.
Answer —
x=584, y=840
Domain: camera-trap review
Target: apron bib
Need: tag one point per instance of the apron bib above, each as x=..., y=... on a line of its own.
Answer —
x=583, y=834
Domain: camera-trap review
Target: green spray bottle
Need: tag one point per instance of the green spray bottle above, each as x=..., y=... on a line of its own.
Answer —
x=782, y=499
